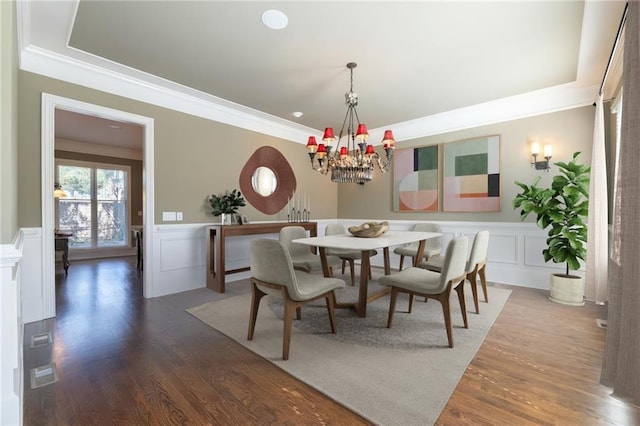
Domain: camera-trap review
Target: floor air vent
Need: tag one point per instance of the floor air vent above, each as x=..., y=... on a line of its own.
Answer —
x=601, y=323
x=41, y=339
x=43, y=375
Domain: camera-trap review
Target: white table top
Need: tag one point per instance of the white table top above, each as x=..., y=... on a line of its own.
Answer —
x=348, y=241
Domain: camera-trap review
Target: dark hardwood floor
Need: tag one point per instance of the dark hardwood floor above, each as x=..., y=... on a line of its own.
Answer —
x=123, y=359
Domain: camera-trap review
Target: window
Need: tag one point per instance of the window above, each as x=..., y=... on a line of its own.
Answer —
x=96, y=209
x=614, y=250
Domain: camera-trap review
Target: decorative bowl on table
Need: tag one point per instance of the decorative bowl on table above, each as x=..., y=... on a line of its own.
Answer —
x=369, y=229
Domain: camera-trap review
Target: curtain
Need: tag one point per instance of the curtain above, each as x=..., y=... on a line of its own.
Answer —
x=597, y=236
x=621, y=362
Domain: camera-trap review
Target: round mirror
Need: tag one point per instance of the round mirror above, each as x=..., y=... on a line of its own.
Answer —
x=264, y=181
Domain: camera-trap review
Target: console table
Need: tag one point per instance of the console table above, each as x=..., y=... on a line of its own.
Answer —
x=216, y=236
x=62, y=244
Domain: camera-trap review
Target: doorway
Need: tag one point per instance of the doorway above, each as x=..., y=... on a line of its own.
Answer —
x=51, y=104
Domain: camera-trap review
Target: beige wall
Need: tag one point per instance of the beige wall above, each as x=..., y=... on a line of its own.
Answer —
x=194, y=157
x=135, y=190
x=8, y=123
x=569, y=131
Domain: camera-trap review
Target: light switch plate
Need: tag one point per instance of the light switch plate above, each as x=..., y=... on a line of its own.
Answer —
x=169, y=216
x=178, y=215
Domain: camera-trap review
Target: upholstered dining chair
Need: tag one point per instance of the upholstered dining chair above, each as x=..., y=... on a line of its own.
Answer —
x=344, y=254
x=301, y=255
x=433, y=246
x=476, y=265
x=272, y=273
x=433, y=285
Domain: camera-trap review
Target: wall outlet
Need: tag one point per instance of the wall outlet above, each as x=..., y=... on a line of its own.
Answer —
x=169, y=216
x=178, y=215
x=139, y=212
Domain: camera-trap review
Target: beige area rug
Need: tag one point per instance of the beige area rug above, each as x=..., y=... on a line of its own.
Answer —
x=399, y=376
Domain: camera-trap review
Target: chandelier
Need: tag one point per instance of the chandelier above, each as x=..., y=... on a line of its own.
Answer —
x=354, y=161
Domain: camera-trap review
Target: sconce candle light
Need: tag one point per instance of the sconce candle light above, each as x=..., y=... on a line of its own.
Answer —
x=547, y=153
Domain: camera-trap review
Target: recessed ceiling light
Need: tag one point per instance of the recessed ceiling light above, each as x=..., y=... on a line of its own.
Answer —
x=113, y=126
x=297, y=114
x=275, y=19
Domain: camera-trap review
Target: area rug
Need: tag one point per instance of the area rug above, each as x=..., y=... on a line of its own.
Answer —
x=399, y=376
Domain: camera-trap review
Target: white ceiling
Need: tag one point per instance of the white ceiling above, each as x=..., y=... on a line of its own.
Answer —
x=415, y=59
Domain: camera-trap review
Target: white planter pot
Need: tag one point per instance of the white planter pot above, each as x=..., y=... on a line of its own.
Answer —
x=567, y=290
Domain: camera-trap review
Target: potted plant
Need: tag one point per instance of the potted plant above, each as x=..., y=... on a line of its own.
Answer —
x=226, y=205
x=562, y=209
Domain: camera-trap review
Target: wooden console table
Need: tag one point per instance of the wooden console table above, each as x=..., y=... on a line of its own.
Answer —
x=216, y=235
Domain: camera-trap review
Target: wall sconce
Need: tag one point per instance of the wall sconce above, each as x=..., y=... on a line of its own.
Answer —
x=58, y=192
x=547, y=153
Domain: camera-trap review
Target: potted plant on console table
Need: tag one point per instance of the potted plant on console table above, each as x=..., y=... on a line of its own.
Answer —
x=562, y=209
x=226, y=205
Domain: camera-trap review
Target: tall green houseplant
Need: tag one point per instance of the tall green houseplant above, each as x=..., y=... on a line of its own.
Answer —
x=562, y=209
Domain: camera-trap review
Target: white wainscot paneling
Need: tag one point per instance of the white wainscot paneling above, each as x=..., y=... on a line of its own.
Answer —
x=31, y=283
x=514, y=255
x=179, y=259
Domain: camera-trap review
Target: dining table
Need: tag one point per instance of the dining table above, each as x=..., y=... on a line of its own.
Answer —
x=366, y=246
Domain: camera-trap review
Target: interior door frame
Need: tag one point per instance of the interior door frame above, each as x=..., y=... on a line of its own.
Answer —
x=49, y=105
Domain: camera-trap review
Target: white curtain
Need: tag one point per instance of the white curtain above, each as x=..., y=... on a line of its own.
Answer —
x=621, y=362
x=597, y=237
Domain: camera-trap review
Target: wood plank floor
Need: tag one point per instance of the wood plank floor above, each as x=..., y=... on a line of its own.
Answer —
x=123, y=359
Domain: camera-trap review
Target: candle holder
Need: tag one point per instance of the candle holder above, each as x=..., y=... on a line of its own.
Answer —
x=297, y=215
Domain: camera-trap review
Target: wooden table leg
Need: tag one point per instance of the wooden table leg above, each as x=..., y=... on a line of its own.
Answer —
x=387, y=263
x=325, y=264
x=364, y=283
x=420, y=253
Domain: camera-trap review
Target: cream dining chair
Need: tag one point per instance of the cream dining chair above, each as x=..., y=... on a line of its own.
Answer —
x=476, y=265
x=301, y=255
x=433, y=285
x=344, y=254
x=272, y=273
x=433, y=246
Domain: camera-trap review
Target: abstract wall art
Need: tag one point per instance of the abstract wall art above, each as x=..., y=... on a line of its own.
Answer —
x=472, y=175
x=415, y=179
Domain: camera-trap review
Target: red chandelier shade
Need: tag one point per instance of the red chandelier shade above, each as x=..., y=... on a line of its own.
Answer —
x=362, y=131
x=312, y=145
x=328, y=135
x=369, y=150
x=387, y=140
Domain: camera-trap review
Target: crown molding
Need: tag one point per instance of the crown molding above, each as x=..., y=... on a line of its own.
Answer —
x=176, y=97
x=189, y=101
x=539, y=102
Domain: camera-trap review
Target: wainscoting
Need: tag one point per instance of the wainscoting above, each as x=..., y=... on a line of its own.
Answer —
x=178, y=262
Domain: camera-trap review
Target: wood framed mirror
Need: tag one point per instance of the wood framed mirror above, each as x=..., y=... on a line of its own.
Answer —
x=267, y=179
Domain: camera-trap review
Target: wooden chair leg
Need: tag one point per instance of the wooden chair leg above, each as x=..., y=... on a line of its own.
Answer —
x=392, y=305
x=463, y=304
x=257, y=295
x=473, y=278
x=483, y=280
x=370, y=275
x=289, y=307
x=446, y=311
x=299, y=312
x=411, y=302
x=401, y=262
x=344, y=261
x=331, y=302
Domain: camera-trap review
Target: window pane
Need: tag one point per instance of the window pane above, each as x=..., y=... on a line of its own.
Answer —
x=112, y=223
x=111, y=184
x=76, y=181
x=75, y=216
